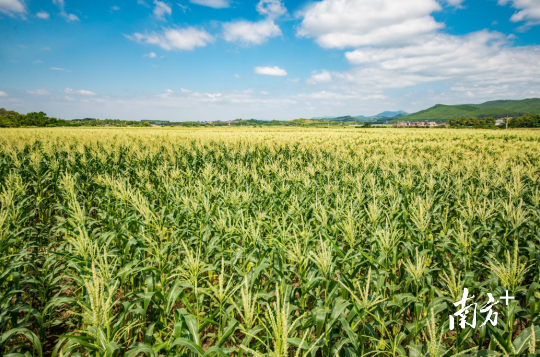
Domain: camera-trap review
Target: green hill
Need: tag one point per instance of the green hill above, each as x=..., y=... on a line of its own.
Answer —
x=496, y=108
x=495, y=103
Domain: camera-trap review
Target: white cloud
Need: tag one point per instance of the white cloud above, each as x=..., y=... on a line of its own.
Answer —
x=482, y=60
x=322, y=77
x=175, y=39
x=12, y=7
x=213, y=96
x=80, y=91
x=38, y=91
x=37, y=61
x=43, y=15
x=183, y=90
x=204, y=105
x=115, y=8
x=72, y=17
x=271, y=8
x=3, y=94
x=216, y=4
x=256, y=33
x=353, y=23
x=271, y=71
x=161, y=9
x=58, y=69
x=62, y=5
x=529, y=11
x=151, y=55
x=250, y=33
x=169, y=91
x=397, y=45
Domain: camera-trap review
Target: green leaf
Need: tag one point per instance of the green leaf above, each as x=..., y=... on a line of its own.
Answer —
x=191, y=323
x=189, y=344
x=112, y=349
x=214, y=350
x=297, y=342
x=521, y=343
x=228, y=331
x=140, y=348
x=6, y=336
x=350, y=334
x=320, y=318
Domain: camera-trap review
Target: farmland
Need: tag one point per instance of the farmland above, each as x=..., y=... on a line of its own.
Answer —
x=267, y=242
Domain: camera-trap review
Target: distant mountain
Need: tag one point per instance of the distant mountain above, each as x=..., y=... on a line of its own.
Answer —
x=348, y=118
x=361, y=118
x=387, y=114
x=496, y=108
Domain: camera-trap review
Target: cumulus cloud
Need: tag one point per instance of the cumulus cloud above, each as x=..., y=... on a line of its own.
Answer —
x=62, y=6
x=43, y=15
x=271, y=71
x=216, y=4
x=58, y=69
x=398, y=45
x=271, y=8
x=482, y=60
x=151, y=55
x=175, y=39
x=80, y=91
x=115, y=8
x=529, y=11
x=213, y=96
x=352, y=23
x=250, y=33
x=3, y=94
x=258, y=32
x=13, y=7
x=161, y=9
x=322, y=77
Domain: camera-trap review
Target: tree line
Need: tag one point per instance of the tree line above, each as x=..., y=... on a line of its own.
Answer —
x=13, y=119
x=524, y=121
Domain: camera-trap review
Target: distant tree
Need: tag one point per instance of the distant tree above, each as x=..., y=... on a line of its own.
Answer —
x=9, y=118
x=489, y=120
x=525, y=121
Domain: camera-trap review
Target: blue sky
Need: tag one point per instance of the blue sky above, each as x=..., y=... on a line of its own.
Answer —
x=224, y=59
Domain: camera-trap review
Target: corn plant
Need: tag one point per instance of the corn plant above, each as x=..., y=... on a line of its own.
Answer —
x=267, y=242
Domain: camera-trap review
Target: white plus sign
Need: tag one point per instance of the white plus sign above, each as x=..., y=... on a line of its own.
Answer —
x=507, y=298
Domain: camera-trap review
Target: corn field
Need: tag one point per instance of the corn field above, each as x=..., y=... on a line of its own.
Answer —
x=267, y=242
